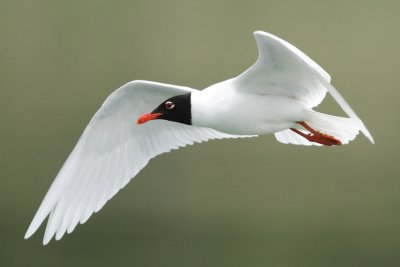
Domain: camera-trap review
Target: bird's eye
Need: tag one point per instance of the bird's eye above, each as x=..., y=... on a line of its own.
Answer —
x=169, y=105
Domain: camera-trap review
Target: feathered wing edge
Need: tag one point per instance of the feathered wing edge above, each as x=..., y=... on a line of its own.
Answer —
x=349, y=111
x=56, y=201
x=110, y=152
x=263, y=41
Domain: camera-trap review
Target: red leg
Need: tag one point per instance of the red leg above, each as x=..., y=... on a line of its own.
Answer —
x=315, y=136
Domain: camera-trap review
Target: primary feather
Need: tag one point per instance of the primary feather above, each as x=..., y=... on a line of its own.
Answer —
x=111, y=151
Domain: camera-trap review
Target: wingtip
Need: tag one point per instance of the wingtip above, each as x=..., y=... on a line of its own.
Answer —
x=46, y=240
x=365, y=131
x=27, y=235
x=263, y=33
x=31, y=230
x=258, y=34
x=371, y=139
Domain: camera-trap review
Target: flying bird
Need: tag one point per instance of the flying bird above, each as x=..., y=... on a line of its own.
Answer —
x=143, y=119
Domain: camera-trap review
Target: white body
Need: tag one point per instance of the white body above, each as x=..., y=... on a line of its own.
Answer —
x=280, y=89
x=240, y=113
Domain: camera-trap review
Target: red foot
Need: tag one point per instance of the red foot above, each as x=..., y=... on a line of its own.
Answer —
x=317, y=137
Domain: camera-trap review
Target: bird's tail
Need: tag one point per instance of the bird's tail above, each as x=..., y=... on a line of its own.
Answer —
x=343, y=129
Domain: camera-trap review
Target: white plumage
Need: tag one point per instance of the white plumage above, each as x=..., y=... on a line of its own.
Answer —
x=270, y=97
x=111, y=151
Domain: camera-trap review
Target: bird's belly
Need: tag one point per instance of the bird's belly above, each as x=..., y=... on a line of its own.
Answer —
x=252, y=126
x=250, y=115
x=253, y=129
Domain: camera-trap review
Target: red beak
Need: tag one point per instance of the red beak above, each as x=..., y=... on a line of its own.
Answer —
x=147, y=117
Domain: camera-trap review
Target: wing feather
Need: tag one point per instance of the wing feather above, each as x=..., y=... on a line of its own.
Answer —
x=282, y=69
x=110, y=152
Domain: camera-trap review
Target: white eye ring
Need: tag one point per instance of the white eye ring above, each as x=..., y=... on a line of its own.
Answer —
x=169, y=105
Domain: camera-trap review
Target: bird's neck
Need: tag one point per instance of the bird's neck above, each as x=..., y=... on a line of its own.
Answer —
x=201, y=109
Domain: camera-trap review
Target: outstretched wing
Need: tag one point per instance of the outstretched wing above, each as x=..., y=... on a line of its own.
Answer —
x=110, y=152
x=282, y=69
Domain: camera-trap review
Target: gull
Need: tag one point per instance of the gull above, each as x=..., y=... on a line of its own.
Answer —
x=143, y=119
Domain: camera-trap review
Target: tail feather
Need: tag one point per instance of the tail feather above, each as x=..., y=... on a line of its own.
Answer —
x=289, y=137
x=344, y=129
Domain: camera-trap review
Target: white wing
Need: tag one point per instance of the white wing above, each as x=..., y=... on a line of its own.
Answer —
x=282, y=69
x=111, y=151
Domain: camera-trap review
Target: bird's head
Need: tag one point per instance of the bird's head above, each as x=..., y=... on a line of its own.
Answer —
x=177, y=109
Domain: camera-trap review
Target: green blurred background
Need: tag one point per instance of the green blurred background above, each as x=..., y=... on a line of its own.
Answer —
x=252, y=202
